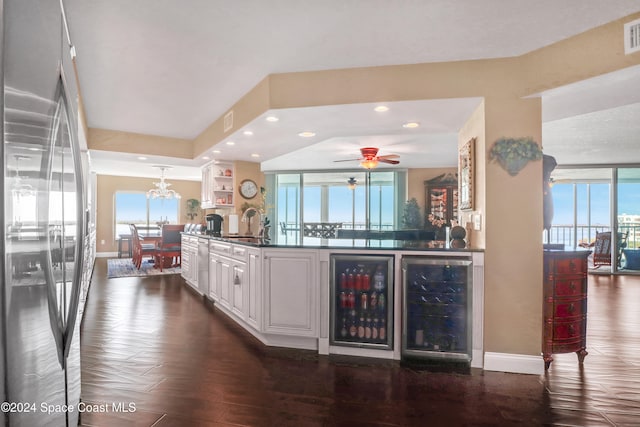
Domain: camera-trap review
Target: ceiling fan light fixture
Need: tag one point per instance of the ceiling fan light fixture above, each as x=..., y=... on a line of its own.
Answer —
x=369, y=163
x=351, y=183
x=381, y=109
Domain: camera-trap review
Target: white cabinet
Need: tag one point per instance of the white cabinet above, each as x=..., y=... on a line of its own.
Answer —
x=291, y=292
x=214, y=277
x=218, y=183
x=253, y=290
x=237, y=287
x=189, y=260
x=225, y=266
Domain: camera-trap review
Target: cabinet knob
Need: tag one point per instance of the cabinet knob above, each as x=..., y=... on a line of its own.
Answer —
x=572, y=330
x=572, y=265
x=572, y=308
x=572, y=286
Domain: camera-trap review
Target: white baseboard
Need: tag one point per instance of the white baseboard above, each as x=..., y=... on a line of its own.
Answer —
x=106, y=254
x=514, y=363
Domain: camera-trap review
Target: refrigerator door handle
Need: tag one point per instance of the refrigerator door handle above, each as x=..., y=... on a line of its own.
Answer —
x=63, y=328
x=72, y=312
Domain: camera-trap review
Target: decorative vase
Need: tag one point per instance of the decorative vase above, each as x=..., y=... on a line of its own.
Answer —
x=513, y=165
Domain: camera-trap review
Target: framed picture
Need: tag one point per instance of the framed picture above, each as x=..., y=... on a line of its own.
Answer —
x=466, y=168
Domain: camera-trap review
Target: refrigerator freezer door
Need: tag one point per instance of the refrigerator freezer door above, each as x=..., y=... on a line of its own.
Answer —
x=42, y=256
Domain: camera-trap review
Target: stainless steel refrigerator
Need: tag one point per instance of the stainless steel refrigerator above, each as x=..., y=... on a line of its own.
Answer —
x=43, y=197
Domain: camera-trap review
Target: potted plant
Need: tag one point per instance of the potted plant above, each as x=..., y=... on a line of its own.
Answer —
x=411, y=217
x=513, y=154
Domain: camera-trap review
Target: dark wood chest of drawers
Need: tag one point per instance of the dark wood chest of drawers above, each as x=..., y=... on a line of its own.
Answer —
x=565, y=304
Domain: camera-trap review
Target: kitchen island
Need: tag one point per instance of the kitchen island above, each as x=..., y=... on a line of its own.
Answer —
x=292, y=295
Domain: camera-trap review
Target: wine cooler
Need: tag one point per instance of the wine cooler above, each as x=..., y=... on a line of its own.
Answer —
x=437, y=307
x=362, y=301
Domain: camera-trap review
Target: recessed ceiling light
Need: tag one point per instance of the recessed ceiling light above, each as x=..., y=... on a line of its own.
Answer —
x=255, y=155
x=142, y=158
x=248, y=132
x=307, y=134
x=271, y=119
x=205, y=158
x=230, y=143
x=381, y=108
x=411, y=125
x=216, y=151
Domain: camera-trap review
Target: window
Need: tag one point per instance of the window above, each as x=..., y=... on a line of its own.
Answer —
x=325, y=197
x=135, y=208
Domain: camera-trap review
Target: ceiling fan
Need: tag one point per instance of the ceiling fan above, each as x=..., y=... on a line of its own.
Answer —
x=370, y=159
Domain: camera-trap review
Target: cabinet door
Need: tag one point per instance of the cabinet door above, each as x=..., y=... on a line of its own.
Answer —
x=238, y=285
x=214, y=277
x=185, y=261
x=225, y=266
x=291, y=292
x=193, y=270
x=253, y=296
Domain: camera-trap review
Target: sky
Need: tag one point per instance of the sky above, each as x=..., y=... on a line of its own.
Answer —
x=628, y=196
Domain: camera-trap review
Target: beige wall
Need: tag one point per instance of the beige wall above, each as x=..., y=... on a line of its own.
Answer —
x=105, y=210
x=127, y=142
x=475, y=128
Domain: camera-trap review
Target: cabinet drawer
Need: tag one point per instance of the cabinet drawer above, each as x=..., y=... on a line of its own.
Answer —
x=219, y=247
x=239, y=252
x=570, y=266
x=568, y=330
x=570, y=287
x=564, y=309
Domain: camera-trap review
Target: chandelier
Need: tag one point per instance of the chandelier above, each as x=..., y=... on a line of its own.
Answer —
x=162, y=188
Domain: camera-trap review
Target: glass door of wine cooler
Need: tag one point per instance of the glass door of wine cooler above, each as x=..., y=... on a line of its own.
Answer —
x=437, y=308
x=362, y=301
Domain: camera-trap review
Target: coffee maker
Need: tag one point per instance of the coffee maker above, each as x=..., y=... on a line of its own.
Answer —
x=214, y=225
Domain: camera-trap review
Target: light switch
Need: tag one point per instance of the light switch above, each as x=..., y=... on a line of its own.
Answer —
x=477, y=222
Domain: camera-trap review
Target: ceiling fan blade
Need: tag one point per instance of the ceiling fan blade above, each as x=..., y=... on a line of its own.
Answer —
x=347, y=160
x=389, y=156
x=391, y=162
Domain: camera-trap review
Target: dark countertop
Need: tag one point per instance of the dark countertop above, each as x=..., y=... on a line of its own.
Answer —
x=369, y=244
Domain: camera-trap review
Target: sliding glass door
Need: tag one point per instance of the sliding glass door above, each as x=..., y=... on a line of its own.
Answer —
x=588, y=202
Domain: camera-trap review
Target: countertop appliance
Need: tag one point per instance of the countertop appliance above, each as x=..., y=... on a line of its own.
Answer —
x=44, y=217
x=214, y=224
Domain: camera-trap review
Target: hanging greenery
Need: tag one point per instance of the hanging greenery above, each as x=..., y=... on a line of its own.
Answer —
x=513, y=154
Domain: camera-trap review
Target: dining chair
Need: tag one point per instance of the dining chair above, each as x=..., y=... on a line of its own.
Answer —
x=139, y=249
x=169, y=246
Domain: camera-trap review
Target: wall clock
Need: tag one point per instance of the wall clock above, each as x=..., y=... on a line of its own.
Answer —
x=248, y=189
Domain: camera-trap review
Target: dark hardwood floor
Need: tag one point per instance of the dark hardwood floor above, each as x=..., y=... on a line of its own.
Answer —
x=152, y=343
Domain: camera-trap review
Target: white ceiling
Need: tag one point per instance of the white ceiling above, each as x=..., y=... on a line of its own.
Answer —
x=170, y=68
